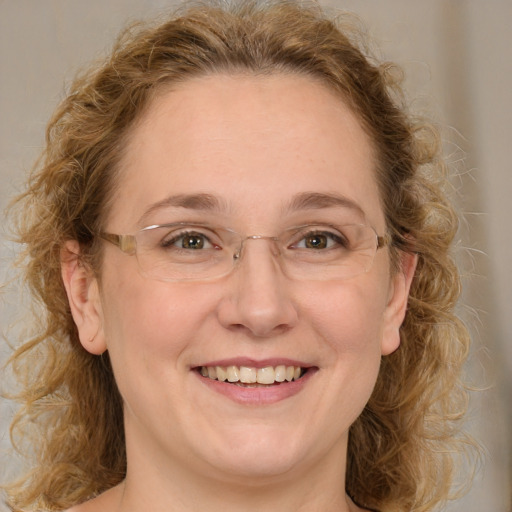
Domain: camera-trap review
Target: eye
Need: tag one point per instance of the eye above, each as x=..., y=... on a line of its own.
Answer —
x=188, y=240
x=318, y=240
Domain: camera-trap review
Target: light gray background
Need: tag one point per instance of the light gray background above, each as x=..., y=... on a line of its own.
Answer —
x=457, y=56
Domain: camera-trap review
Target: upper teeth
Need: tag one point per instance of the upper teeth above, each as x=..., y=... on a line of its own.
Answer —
x=250, y=375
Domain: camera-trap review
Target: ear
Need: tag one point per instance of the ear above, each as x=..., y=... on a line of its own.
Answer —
x=397, y=302
x=84, y=298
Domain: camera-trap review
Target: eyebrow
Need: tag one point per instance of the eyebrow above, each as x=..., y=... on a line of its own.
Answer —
x=211, y=203
x=202, y=202
x=318, y=200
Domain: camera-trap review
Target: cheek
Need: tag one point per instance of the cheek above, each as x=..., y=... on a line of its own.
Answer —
x=150, y=328
x=348, y=318
x=146, y=320
x=350, y=315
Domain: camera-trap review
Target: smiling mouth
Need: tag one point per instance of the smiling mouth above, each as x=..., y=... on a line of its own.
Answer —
x=253, y=377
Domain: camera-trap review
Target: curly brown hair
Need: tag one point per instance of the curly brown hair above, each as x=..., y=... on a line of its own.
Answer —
x=400, y=453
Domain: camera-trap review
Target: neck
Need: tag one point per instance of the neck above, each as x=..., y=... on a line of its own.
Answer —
x=162, y=486
x=128, y=497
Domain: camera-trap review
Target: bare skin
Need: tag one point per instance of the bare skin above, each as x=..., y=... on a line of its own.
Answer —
x=258, y=146
x=112, y=501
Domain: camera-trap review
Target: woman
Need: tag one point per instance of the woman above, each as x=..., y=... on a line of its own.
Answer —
x=243, y=248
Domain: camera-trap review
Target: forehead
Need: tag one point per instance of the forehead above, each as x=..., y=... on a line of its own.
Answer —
x=252, y=141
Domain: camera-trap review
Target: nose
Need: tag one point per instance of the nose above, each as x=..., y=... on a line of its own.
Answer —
x=258, y=298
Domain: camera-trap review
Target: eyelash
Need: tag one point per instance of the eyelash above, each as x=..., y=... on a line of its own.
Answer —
x=168, y=243
x=332, y=237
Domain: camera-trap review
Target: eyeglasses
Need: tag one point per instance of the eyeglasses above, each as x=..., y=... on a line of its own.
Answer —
x=192, y=252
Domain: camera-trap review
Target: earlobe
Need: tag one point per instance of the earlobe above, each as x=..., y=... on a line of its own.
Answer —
x=84, y=300
x=397, y=303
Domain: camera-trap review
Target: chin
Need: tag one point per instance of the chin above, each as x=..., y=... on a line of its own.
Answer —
x=258, y=455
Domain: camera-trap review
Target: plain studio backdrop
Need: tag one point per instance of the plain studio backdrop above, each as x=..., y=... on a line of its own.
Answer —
x=458, y=62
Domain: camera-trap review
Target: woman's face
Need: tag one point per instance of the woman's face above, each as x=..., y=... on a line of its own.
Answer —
x=270, y=153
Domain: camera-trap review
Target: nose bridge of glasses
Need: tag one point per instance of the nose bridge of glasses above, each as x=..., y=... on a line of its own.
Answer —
x=272, y=239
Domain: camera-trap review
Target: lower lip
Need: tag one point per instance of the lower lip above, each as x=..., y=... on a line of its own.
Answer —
x=258, y=395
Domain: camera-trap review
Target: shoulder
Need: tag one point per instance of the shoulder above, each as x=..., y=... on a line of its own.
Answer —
x=88, y=506
x=102, y=503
